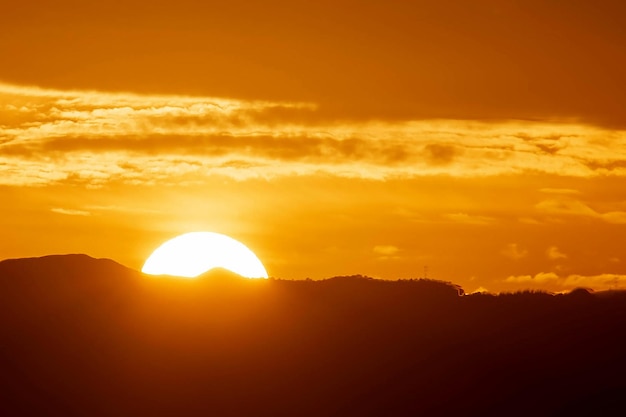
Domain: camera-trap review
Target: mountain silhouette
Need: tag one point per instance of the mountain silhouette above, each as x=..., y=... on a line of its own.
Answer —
x=61, y=265
x=89, y=337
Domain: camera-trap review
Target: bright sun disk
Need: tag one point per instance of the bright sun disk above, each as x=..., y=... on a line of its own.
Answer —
x=192, y=254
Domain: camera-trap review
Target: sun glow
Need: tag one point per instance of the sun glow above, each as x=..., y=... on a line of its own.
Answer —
x=192, y=254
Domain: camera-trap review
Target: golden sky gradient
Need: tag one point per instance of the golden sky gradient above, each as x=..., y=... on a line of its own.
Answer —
x=484, y=139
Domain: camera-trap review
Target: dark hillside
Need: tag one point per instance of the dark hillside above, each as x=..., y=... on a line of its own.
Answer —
x=87, y=337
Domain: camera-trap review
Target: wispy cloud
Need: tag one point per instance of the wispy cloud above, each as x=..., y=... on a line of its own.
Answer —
x=50, y=136
x=554, y=253
x=70, y=212
x=560, y=191
x=465, y=218
x=386, y=252
x=571, y=207
x=122, y=209
x=541, y=277
x=514, y=252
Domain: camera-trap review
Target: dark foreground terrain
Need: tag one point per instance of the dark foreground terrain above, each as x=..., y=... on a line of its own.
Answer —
x=87, y=337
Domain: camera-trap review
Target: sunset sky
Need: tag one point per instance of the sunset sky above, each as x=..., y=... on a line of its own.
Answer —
x=483, y=139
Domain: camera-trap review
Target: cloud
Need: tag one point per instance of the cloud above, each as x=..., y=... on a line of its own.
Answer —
x=50, y=136
x=615, y=217
x=514, y=252
x=479, y=290
x=528, y=220
x=465, y=218
x=387, y=252
x=122, y=209
x=562, y=191
x=572, y=207
x=70, y=212
x=541, y=277
x=565, y=206
x=440, y=154
x=555, y=253
x=598, y=282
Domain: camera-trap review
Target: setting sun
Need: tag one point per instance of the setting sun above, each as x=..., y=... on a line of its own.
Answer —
x=192, y=254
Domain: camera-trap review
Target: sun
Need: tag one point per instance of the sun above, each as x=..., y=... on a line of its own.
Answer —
x=192, y=254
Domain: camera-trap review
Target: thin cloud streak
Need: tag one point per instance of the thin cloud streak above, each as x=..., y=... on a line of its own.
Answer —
x=573, y=207
x=51, y=136
x=465, y=218
x=70, y=212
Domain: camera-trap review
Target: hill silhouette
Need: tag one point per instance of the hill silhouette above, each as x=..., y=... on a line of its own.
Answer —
x=88, y=337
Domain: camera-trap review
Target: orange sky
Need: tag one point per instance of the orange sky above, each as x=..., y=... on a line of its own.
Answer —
x=484, y=139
